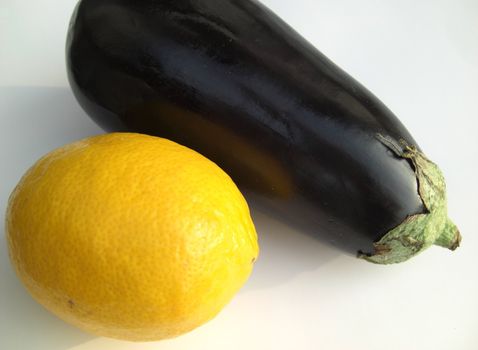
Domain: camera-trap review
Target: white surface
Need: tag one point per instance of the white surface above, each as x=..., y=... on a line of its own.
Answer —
x=419, y=57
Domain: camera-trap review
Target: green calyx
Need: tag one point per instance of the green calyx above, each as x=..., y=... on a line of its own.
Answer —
x=418, y=232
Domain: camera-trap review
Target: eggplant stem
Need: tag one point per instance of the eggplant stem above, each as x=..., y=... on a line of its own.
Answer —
x=418, y=232
x=450, y=237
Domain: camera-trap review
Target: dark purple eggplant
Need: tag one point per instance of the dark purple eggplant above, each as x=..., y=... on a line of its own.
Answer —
x=301, y=138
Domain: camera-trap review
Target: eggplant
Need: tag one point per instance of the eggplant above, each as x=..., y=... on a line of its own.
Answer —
x=299, y=136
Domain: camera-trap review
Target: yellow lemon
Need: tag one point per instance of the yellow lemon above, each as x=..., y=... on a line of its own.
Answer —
x=130, y=236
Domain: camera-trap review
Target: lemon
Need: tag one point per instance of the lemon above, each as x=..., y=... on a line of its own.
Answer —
x=130, y=236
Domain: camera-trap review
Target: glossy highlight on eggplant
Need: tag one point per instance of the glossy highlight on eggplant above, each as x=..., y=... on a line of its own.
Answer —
x=300, y=137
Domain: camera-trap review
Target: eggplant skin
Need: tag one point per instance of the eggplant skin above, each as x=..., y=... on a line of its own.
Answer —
x=233, y=81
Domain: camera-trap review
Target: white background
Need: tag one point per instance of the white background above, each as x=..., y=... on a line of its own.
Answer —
x=419, y=57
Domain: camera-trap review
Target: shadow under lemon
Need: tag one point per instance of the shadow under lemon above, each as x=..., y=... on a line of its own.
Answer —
x=285, y=252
